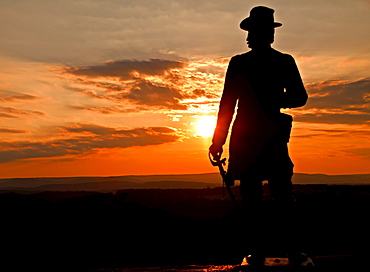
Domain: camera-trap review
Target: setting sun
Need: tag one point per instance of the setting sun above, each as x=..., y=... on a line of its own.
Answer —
x=205, y=126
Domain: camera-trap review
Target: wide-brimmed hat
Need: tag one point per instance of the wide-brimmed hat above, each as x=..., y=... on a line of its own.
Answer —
x=259, y=17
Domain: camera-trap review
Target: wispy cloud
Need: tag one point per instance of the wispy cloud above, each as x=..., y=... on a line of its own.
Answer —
x=340, y=94
x=10, y=130
x=6, y=96
x=107, y=110
x=84, y=139
x=150, y=85
x=359, y=152
x=11, y=112
x=149, y=94
x=337, y=101
x=126, y=69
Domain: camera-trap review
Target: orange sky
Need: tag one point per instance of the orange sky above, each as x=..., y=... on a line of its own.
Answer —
x=130, y=88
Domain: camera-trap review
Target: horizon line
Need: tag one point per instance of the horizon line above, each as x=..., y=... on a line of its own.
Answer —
x=143, y=175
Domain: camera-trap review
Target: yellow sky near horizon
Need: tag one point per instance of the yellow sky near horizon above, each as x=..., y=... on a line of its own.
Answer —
x=115, y=90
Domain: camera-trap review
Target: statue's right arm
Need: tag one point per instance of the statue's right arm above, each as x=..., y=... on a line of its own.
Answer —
x=228, y=102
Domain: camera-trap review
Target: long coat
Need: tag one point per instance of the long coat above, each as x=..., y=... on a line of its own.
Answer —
x=259, y=83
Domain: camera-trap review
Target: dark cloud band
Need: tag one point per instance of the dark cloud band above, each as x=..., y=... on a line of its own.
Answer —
x=124, y=69
x=87, y=139
x=337, y=101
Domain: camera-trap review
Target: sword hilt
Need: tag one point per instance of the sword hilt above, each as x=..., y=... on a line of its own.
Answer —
x=220, y=163
x=216, y=161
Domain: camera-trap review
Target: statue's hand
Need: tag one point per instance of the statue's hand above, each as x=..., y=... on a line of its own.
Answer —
x=216, y=151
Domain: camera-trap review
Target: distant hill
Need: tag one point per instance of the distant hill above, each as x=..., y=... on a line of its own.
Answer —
x=357, y=179
x=197, y=181
x=108, y=184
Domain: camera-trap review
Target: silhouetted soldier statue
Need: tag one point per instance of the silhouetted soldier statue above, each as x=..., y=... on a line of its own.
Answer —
x=260, y=83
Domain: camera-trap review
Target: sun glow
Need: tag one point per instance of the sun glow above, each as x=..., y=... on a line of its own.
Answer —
x=205, y=126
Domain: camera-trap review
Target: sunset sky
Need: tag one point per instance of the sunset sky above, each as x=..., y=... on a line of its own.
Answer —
x=118, y=87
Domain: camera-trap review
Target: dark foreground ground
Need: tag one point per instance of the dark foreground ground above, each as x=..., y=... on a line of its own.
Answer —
x=87, y=231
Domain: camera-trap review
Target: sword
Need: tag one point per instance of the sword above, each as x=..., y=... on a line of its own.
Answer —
x=225, y=180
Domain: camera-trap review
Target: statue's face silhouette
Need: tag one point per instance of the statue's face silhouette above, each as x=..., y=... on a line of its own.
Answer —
x=260, y=37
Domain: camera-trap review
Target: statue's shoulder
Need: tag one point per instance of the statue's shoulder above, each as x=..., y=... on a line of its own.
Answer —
x=285, y=56
x=243, y=55
x=241, y=58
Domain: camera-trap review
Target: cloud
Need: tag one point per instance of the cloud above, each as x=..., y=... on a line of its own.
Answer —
x=130, y=83
x=84, y=139
x=351, y=133
x=107, y=110
x=337, y=101
x=139, y=29
x=10, y=112
x=149, y=85
x=142, y=93
x=198, y=93
x=149, y=94
x=10, y=130
x=6, y=115
x=125, y=69
x=359, y=152
x=333, y=118
x=15, y=97
x=345, y=132
x=340, y=94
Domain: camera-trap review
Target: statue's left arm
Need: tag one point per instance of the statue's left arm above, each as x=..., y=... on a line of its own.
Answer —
x=295, y=94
